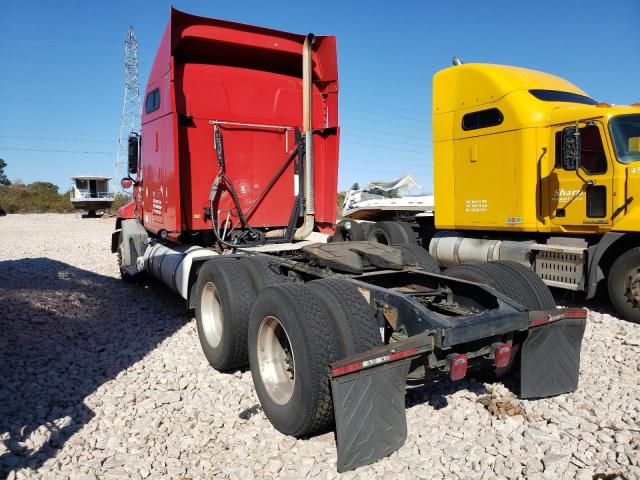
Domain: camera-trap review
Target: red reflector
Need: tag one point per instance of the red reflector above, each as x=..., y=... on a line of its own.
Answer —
x=352, y=367
x=402, y=354
x=539, y=321
x=503, y=355
x=575, y=313
x=457, y=367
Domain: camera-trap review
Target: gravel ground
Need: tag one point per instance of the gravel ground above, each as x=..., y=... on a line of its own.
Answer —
x=99, y=379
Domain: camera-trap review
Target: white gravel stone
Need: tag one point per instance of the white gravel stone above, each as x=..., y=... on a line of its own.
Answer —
x=101, y=379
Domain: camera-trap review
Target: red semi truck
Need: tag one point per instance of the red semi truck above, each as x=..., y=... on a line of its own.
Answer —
x=234, y=190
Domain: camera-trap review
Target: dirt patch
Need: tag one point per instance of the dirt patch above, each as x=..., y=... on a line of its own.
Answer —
x=502, y=407
x=608, y=476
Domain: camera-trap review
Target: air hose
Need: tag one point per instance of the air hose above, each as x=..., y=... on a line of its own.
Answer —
x=250, y=236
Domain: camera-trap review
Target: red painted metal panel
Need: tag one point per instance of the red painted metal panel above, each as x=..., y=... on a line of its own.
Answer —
x=212, y=70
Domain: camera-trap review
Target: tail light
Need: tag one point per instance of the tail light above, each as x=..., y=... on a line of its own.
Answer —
x=457, y=366
x=502, y=353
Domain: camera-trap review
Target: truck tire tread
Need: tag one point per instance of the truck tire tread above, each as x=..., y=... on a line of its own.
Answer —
x=354, y=320
x=416, y=255
x=237, y=296
x=317, y=333
x=511, y=279
x=260, y=271
x=393, y=232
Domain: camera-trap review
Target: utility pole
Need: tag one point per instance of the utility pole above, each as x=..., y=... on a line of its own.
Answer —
x=131, y=107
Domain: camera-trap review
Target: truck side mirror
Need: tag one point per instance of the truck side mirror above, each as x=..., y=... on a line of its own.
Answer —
x=134, y=153
x=571, y=148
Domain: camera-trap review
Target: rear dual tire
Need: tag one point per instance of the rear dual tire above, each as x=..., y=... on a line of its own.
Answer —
x=509, y=278
x=296, y=332
x=224, y=297
x=417, y=257
x=516, y=282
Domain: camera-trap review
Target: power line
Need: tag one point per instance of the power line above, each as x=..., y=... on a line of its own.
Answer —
x=27, y=137
x=32, y=25
x=63, y=45
x=54, y=151
x=385, y=114
x=379, y=109
x=386, y=105
x=66, y=139
x=382, y=121
x=381, y=132
x=386, y=140
x=384, y=147
x=407, y=164
x=64, y=131
x=396, y=171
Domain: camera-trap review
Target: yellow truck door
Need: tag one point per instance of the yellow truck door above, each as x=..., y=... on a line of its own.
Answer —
x=581, y=204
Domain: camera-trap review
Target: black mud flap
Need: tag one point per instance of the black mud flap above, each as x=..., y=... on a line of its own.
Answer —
x=550, y=358
x=370, y=414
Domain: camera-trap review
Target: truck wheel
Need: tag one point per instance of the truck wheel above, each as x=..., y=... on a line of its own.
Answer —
x=624, y=284
x=509, y=278
x=515, y=281
x=292, y=342
x=355, y=322
x=392, y=233
x=224, y=297
x=416, y=256
x=261, y=271
x=348, y=231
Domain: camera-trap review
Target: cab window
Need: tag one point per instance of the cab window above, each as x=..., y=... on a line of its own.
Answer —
x=482, y=119
x=152, y=102
x=593, y=159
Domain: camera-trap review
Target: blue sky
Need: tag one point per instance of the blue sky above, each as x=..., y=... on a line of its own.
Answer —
x=61, y=81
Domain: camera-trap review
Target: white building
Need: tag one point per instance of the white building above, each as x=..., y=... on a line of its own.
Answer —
x=91, y=193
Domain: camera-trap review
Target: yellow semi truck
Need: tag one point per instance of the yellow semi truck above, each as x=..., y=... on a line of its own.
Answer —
x=529, y=168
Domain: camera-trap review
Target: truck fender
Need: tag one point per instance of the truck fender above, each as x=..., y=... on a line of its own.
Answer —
x=134, y=241
x=596, y=252
x=193, y=277
x=125, y=212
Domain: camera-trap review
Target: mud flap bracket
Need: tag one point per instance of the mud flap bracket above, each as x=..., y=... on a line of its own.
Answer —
x=550, y=358
x=370, y=414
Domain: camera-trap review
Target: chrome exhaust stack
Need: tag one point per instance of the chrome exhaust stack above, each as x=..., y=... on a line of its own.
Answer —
x=307, y=116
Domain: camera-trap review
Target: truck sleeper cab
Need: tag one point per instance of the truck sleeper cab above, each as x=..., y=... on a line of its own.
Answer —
x=529, y=168
x=563, y=162
x=234, y=196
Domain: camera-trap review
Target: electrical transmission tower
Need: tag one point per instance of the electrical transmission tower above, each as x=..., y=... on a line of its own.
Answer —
x=131, y=108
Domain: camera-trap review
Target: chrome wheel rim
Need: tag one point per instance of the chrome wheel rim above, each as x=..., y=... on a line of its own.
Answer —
x=211, y=313
x=276, y=361
x=632, y=287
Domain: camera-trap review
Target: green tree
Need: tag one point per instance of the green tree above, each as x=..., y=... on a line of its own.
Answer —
x=44, y=195
x=4, y=180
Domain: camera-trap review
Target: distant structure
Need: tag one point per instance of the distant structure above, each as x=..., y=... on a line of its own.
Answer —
x=131, y=107
x=91, y=193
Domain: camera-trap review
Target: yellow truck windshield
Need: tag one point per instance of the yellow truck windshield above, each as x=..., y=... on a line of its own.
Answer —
x=625, y=131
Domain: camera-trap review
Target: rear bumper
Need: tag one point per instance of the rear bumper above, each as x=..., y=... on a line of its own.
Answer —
x=369, y=389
